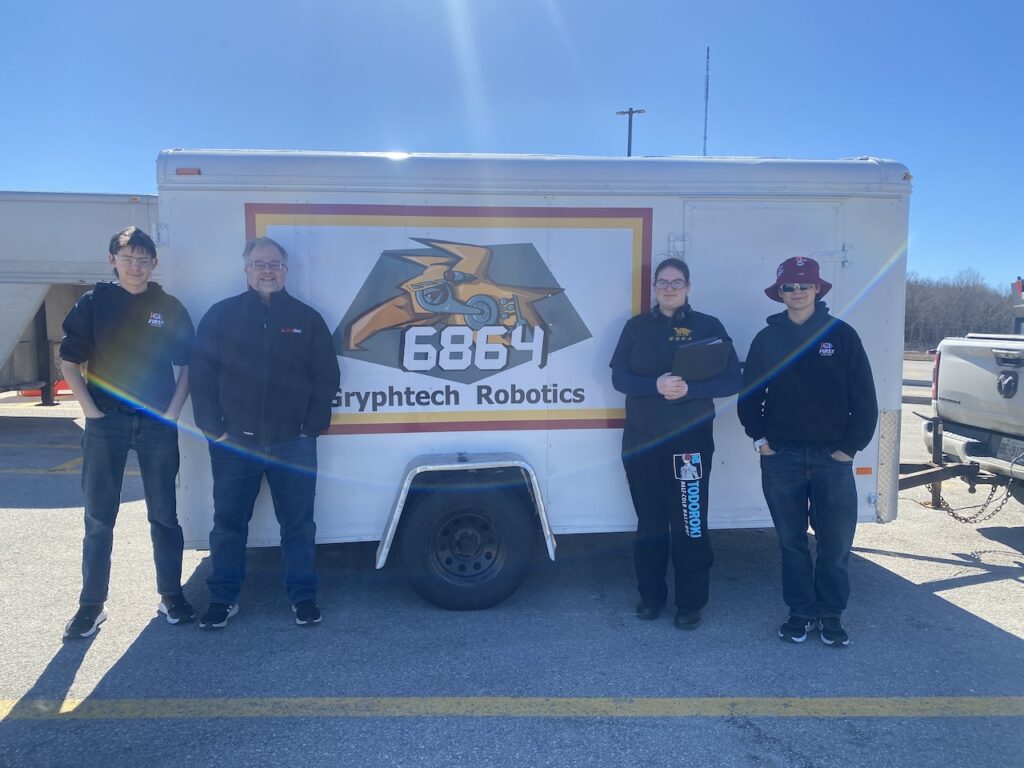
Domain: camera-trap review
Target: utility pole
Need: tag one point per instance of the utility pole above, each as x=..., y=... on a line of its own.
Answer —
x=629, y=141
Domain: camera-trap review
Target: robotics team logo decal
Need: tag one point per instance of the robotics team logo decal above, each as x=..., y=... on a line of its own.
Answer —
x=689, y=470
x=826, y=349
x=459, y=311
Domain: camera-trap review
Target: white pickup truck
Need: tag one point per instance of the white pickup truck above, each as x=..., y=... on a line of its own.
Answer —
x=976, y=392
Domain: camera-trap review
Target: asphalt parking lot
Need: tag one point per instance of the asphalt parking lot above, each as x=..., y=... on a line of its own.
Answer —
x=560, y=674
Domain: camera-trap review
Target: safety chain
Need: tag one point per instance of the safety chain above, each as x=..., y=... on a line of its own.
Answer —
x=981, y=515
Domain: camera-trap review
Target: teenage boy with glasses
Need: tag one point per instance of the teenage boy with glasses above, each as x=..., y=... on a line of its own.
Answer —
x=809, y=404
x=130, y=335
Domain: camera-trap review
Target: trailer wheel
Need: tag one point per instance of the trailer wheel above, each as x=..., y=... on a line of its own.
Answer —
x=467, y=549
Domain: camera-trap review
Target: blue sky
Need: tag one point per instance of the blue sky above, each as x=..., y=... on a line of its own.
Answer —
x=94, y=90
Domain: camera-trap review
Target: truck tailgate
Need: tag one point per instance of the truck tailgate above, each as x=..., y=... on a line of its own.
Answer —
x=979, y=383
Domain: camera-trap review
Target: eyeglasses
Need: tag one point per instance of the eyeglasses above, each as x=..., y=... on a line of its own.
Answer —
x=135, y=261
x=790, y=287
x=675, y=285
x=260, y=266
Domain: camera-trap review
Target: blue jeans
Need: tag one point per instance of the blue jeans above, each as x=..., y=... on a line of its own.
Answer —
x=238, y=470
x=105, y=445
x=801, y=485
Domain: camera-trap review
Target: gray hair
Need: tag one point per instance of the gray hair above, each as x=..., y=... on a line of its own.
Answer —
x=256, y=242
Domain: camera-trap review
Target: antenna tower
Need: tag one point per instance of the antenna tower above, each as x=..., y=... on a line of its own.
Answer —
x=707, y=88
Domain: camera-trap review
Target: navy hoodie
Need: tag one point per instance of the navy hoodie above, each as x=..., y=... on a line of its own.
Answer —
x=131, y=341
x=809, y=384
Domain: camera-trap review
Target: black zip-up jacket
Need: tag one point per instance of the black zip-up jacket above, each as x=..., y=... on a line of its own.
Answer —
x=263, y=373
x=809, y=384
x=646, y=350
x=131, y=341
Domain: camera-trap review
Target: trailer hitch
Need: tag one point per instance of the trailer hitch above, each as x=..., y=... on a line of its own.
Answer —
x=934, y=472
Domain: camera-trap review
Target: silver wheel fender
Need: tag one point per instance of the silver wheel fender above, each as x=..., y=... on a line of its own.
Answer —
x=462, y=462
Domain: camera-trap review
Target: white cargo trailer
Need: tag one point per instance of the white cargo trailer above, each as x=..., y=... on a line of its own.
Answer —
x=475, y=302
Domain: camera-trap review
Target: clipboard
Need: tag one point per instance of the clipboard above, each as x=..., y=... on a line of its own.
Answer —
x=702, y=360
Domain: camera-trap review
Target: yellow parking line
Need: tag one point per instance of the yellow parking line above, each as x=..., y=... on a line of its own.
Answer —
x=76, y=446
x=497, y=706
x=70, y=468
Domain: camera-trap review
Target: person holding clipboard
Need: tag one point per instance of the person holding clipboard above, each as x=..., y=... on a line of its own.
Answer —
x=671, y=362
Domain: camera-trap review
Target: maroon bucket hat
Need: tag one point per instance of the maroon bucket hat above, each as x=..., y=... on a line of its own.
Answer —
x=798, y=269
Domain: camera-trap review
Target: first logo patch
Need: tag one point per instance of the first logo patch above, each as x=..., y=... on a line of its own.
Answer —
x=826, y=349
x=156, y=319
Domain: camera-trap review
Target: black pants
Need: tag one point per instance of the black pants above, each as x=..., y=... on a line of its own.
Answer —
x=668, y=480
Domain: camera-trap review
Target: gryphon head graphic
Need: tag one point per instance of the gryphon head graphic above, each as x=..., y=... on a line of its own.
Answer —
x=454, y=287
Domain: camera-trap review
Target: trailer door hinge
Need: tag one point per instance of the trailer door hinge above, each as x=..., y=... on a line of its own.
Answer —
x=677, y=245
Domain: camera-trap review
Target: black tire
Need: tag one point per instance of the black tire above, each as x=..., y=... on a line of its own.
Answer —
x=466, y=549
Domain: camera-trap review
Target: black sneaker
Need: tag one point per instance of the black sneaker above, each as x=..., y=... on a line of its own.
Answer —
x=795, y=629
x=687, y=619
x=177, y=609
x=217, y=615
x=648, y=611
x=85, y=622
x=832, y=632
x=307, y=613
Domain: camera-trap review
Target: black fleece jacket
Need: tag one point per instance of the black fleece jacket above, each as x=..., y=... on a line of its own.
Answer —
x=646, y=349
x=264, y=373
x=130, y=342
x=809, y=384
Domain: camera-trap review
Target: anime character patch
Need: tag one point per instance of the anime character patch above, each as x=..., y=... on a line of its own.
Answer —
x=688, y=466
x=826, y=349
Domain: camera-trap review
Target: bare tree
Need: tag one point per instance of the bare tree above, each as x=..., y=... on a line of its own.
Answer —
x=965, y=303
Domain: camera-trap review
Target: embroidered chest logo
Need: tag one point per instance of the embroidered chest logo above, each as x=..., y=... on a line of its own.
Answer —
x=156, y=320
x=291, y=330
x=681, y=334
x=826, y=349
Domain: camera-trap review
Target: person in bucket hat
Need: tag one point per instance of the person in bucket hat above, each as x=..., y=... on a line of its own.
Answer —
x=809, y=405
x=798, y=269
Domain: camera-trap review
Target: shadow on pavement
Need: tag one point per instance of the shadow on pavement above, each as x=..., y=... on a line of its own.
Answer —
x=40, y=464
x=568, y=632
x=984, y=561
x=1005, y=535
